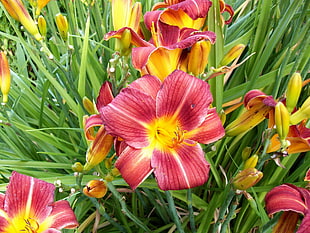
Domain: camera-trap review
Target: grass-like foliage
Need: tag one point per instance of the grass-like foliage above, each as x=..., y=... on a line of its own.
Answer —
x=42, y=123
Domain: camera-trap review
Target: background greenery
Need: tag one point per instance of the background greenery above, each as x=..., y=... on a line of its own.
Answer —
x=41, y=131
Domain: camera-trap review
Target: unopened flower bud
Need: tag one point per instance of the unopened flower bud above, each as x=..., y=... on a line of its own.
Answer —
x=109, y=177
x=282, y=120
x=115, y=172
x=246, y=153
x=302, y=113
x=294, y=87
x=198, y=57
x=95, y=188
x=18, y=11
x=251, y=162
x=89, y=105
x=62, y=25
x=247, y=178
x=125, y=43
x=42, y=25
x=5, y=77
x=77, y=167
x=232, y=54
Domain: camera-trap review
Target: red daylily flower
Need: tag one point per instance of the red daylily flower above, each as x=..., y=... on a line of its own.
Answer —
x=294, y=201
x=101, y=142
x=162, y=54
x=28, y=206
x=162, y=124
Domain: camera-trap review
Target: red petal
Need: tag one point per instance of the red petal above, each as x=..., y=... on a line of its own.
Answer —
x=128, y=115
x=305, y=224
x=62, y=216
x=182, y=168
x=284, y=198
x=23, y=190
x=194, y=8
x=140, y=56
x=105, y=95
x=209, y=131
x=134, y=165
x=184, y=97
x=148, y=84
x=92, y=121
x=151, y=17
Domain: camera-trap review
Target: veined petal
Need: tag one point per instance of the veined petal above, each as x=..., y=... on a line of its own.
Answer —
x=168, y=34
x=184, y=98
x=182, y=168
x=151, y=17
x=3, y=215
x=148, y=84
x=194, y=8
x=287, y=222
x=105, y=95
x=34, y=197
x=128, y=115
x=209, y=131
x=286, y=197
x=62, y=216
x=135, y=165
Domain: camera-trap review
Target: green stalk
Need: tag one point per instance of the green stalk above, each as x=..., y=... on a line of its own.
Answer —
x=173, y=211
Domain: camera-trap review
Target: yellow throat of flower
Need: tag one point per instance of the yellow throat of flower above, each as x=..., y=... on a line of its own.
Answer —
x=165, y=133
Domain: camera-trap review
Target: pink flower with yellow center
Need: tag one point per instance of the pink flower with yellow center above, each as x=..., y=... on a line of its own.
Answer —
x=28, y=206
x=163, y=123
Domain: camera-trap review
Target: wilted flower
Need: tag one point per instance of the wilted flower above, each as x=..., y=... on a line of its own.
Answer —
x=95, y=188
x=28, y=206
x=162, y=124
x=247, y=178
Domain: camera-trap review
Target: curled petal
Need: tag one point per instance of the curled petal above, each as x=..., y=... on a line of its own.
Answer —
x=286, y=197
x=227, y=8
x=92, y=121
x=305, y=224
x=127, y=116
x=182, y=168
x=135, y=165
x=194, y=8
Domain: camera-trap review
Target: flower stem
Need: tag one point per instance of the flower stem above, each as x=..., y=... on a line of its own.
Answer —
x=173, y=211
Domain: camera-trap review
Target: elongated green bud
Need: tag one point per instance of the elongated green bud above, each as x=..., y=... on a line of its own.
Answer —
x=232, y=54
x=293, y=91
x=62, y=25
x=5, y=77
x=282, y=120
x=42, y=25
x=251, y=162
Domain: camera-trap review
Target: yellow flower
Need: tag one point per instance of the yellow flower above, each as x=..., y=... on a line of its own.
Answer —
x=95, y=188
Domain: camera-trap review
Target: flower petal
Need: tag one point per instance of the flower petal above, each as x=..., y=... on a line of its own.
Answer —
x=140, y=57
x=184, y=97
x=3, y=215
x=148, y=84
x=305, y=224
x=286, y=197
x=62, y=216
x=182, y=168
x=128, y=115
x=209, y=131
x=92, y=121
x=105, y=95
x=29, y=197
x=194, y=8
x=287, y=222
x=135, y=165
